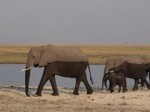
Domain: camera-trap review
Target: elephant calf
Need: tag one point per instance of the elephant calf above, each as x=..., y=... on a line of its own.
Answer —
x=115, y=79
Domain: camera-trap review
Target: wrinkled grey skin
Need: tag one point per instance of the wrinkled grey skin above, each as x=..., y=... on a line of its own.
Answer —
x=118, y=60
x=47, y=57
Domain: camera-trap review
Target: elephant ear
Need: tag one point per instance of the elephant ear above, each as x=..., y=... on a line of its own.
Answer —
x=46, y=58
x=47, y=55
x=43, y=59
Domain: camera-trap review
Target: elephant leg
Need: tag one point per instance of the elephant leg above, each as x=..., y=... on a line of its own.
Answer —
x=147, y=84
x=42, y=83
x=125, y=85
x=87, y=85
x=119, y=88
x=54, y=85
x=135, y=84
x=77, y=86
x=142, y=84
x=112, y=87
x=124, y=89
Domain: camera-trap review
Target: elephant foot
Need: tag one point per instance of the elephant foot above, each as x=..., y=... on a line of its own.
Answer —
x=135, y=89
x=75, y=93
x=36, y=95
x=108, y=89
x=111, y=91
x=124, y=90
x=90, y=91
x=148, y=87
x=55, y=94
x=142, y=85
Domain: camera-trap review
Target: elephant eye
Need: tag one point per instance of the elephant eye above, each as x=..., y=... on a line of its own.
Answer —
x=33, y=56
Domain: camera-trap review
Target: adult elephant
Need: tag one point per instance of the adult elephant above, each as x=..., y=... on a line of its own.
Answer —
x=134, y=71
x=115, y=61
x=56, y=60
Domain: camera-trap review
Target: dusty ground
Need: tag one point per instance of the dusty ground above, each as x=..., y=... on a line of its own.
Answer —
x=13, y=99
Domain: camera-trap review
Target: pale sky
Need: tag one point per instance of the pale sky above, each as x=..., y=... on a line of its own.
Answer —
x=75, y=21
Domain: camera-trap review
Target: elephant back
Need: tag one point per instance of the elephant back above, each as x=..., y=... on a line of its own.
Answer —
x=115, y=61
x=52, y=53
x=70, y=54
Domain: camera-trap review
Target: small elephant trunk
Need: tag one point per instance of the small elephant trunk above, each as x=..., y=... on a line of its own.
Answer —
x=27, y=78
x=104, y=81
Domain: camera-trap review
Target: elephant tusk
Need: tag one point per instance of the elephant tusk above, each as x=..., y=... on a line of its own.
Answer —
x=23, y=70
x=107, y=71
x=111, y=71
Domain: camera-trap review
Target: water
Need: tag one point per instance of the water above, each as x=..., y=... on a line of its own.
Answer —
x=11, y=75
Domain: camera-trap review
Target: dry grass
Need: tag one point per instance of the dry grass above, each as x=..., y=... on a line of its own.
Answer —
x=97, y=53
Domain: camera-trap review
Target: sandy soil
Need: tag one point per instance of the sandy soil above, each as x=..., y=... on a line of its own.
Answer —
x=13, y=99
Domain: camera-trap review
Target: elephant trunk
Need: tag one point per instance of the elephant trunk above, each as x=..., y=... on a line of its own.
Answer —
x=29, y=65
x=104, y=81
x=27, y=77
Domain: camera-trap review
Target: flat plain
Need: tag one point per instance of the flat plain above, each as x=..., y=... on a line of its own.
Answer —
x=97, y=53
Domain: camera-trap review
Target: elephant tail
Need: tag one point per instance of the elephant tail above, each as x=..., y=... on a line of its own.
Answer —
x=90, y=74
x=149, y=76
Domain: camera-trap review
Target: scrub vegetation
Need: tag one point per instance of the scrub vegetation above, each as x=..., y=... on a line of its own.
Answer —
x=17, y=54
